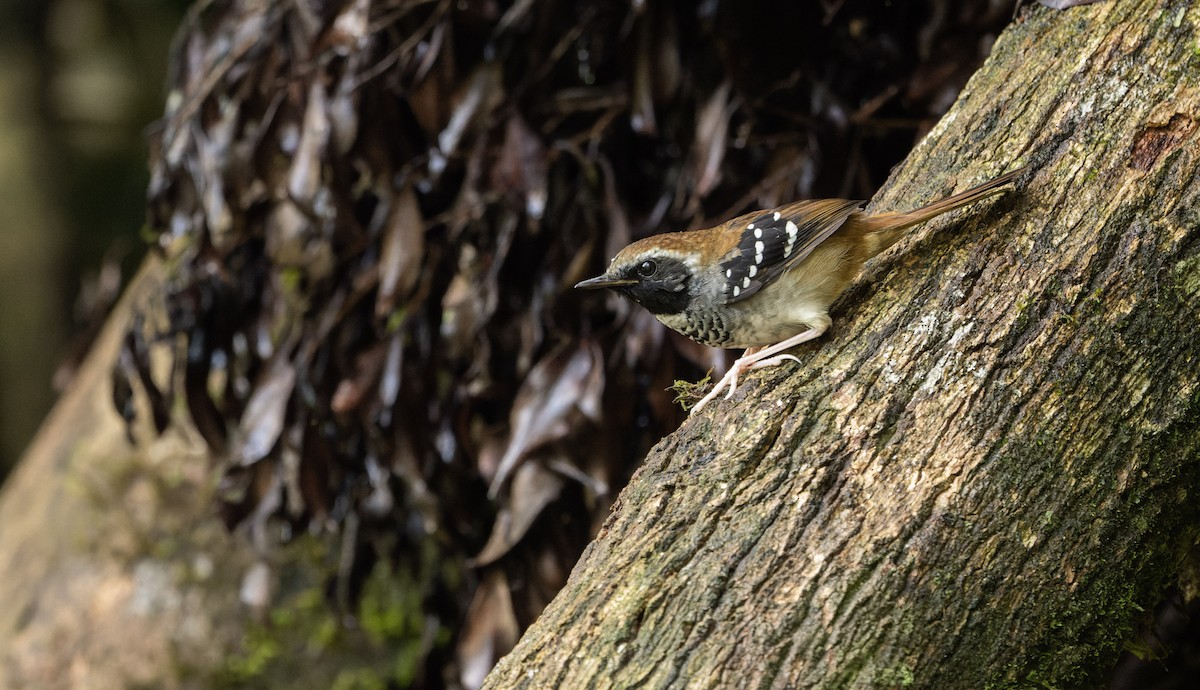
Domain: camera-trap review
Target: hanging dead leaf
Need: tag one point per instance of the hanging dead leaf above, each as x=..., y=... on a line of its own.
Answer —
x=122, y=392
x=642, y=118
x=138, y=351
x=379, y=502
x=401, y=252
x=520, y=168
x=618, y=222
x=304, y=177
x=490, y=630
x=262, y=422
x=390, y=379
x=565, y=386
x=343, y=114
x=668, y=71
x=533, y=487
x=213, y=147
x=478, y=97
x=348, y=35
x=289, y=468
x=353, y=389
x=712, y=132
x=206, y=415
x=316, y=464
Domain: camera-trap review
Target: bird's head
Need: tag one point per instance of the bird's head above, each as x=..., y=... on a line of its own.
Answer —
x=655, y=276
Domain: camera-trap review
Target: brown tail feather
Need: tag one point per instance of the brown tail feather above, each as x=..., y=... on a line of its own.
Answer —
x=887, y=228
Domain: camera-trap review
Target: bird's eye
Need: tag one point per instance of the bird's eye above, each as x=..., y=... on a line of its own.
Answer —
x=647, y=269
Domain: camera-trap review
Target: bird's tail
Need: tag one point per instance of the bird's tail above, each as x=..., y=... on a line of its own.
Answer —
x=886, y=229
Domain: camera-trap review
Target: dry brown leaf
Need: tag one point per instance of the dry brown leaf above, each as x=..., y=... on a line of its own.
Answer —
x=379, y=502
x=304, y=177
x=618, y=234
x=316, y=463
x=426, y=100
x=668, y=72
x=559, y=391
x=287, y=234
x=212, y=148
x=521, y=166
x=533, y=488
x=401, y=252
x=289, y=469
x=642, y=118
x=515, y=14
x=262, y=422
x=490, y=630
x=390, y=379
x=643, y=340
x=207, y=417
x=136, y=352
x=352, y=390
x=343, y=114
x=483, y=91
x=348, y=34
x=712, y=133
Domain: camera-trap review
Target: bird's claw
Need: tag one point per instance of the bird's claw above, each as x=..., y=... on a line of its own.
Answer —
x=730, y=378
x=773, y=361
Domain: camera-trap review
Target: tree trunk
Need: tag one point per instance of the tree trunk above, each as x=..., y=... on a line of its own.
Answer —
x=113, y=573
x=985, y=472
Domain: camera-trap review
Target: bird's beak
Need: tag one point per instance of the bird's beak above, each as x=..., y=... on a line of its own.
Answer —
x=604, y=282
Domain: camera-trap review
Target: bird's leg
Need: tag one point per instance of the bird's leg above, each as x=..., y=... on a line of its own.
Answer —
x=758, y=358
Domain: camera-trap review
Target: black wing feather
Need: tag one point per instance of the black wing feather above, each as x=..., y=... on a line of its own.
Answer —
x=774, y=241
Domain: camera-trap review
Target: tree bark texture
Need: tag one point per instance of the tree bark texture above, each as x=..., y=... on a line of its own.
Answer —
x=987, y=470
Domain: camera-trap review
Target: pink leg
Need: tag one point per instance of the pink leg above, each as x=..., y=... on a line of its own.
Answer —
x=758, y=358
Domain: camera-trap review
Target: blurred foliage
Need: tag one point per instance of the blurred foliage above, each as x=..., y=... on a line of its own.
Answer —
x=386, y=647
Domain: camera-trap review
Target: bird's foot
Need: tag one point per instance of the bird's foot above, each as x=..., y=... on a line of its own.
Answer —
x=745, y=363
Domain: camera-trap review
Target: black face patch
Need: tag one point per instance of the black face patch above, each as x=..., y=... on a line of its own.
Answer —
x=662, y=284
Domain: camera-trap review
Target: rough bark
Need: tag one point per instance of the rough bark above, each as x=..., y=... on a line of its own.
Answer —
x=986, y=471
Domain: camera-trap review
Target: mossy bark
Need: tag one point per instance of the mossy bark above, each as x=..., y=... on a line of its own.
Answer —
x=987, y=470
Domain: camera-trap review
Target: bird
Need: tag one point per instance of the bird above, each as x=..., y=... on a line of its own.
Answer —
x=765, y=280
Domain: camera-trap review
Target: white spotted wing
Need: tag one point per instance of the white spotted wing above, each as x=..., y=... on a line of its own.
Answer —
x=774, y=241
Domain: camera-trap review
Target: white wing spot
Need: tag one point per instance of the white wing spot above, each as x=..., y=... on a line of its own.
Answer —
x=736, y=291
x=750, y=226
x=792, y=231
x=746, y=282
x=759, y=247
x=758, y=232
x=777, y=215
x=753, y=271
x=729, y=273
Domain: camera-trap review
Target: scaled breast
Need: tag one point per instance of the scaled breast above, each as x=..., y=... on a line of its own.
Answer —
x=707, y=327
